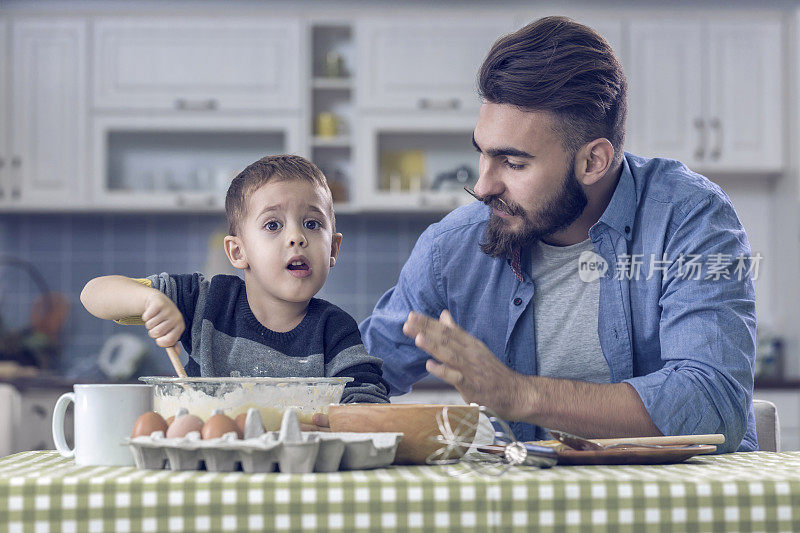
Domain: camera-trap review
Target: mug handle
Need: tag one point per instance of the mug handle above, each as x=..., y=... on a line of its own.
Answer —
x=58, y=425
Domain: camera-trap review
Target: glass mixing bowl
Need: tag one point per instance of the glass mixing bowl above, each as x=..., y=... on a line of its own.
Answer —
x=235, y=395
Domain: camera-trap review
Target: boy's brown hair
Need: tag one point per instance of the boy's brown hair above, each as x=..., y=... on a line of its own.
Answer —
x=273, y=167
x=558, y=65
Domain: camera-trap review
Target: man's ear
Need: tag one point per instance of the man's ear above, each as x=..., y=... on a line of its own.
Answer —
x=593, y=161
x=234, y=249
x=336, y=243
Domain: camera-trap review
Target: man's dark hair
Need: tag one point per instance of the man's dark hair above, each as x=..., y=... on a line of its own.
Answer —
x=271, y=168
x=558, y=65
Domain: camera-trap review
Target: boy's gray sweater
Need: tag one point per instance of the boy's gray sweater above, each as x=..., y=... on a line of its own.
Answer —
x=223, y=336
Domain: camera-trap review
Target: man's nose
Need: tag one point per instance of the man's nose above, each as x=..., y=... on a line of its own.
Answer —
x=488, y=184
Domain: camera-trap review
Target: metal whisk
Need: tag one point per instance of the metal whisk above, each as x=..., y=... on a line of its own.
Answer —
x=458, y=438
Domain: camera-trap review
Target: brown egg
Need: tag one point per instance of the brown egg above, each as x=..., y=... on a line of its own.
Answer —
x=149, y=423
x=218, y=425
x=183, y=425
x=240, y=422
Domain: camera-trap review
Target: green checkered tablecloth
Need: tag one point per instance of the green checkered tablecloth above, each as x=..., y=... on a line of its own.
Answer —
x=759, y=491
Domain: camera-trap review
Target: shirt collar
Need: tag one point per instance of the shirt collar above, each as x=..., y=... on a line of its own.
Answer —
x=621, y=210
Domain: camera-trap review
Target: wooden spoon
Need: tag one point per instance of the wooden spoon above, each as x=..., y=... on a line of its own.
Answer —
x=172, y=352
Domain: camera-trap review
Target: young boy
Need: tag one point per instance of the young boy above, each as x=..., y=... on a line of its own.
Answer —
x=282, y=235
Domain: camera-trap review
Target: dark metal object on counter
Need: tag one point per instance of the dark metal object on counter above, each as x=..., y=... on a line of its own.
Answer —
x=573, y=441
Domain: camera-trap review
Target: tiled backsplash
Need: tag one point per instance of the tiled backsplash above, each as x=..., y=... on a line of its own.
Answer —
x=70, y=249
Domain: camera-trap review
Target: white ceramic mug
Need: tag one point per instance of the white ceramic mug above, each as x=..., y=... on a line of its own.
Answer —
x=104, y=416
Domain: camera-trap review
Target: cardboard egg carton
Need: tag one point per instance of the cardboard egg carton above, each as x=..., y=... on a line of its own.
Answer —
x=288, y=450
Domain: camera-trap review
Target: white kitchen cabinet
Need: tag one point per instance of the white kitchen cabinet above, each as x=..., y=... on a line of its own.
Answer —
x=708, y=93
x=611, y=28
x=36, y=433
x=197, y=64
x=423, y=63
x=410, y=162
x=612, y=31
x=745, y=99
x=183, y=162
x=46, y=167
x=665, y=90
x=4, y=120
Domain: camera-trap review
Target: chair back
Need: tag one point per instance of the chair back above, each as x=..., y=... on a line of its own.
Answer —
x=768, y=429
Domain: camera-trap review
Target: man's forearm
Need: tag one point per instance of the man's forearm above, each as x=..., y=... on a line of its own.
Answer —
x=585, y=409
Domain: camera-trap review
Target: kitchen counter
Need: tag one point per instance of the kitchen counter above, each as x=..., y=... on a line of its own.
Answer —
x=778, y=384
x=50, y=381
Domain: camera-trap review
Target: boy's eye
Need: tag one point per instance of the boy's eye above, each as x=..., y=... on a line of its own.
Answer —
x=273, y=225
x=312, y=224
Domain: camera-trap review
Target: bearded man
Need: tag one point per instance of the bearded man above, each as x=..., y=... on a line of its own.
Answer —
x=563, y=299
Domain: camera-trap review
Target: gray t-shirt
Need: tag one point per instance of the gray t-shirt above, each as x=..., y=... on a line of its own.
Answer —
x=565, y=315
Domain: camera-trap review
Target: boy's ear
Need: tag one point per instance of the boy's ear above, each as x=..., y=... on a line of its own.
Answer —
x=336, y=243
x=234, y=249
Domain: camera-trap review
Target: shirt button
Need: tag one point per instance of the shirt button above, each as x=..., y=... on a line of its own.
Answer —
x=517, y=301
x=627, y=229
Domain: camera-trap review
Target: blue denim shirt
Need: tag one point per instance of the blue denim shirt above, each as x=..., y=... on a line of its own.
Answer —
x=684, y=340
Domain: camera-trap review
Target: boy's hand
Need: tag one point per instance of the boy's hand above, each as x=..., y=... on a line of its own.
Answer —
x=163, y=320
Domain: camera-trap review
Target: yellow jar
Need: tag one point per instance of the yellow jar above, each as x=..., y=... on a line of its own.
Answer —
x=327, y=124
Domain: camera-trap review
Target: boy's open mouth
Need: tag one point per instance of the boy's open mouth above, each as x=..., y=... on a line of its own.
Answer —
x=298, y=267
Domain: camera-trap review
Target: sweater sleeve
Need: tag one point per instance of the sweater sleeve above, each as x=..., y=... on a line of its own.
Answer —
x=345, y=356
x=187, y=292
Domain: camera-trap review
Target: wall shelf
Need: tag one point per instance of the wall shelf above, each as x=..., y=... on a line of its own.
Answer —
x=342, y=141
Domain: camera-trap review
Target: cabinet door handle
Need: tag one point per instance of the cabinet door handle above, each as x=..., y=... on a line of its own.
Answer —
x=16, y=178
x=196, y=105
x=450, y=103
x=700, y=125
x=716, y=127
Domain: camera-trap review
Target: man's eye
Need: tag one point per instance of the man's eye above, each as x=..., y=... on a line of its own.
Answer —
x=312, y=224
x=513, y=166
x=273, y=225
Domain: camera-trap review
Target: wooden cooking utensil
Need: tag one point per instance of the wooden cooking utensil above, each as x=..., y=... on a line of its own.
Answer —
x=172, y=352
x=713, y=438
x=667, y=440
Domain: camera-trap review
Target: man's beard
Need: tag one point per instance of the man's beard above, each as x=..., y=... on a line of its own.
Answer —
x=555, y=215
